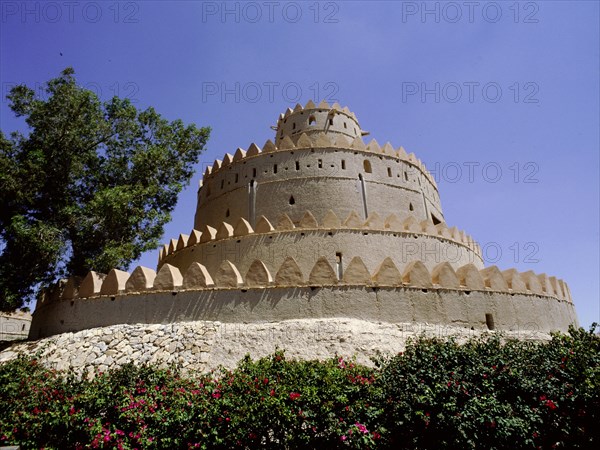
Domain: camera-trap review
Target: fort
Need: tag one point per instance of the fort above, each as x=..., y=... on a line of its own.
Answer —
x=316, y=225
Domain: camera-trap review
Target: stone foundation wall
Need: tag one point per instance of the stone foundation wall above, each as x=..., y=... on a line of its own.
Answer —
x=205, y=345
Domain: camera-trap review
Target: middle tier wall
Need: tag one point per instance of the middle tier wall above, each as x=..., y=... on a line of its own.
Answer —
x=306, y=246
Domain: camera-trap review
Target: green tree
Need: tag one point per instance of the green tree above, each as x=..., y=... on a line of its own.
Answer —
x=89, y=187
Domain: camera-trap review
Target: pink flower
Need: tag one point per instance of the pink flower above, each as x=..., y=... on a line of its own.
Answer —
x=216, y=394
x=361, y=427
x=294, y=395
x=343, y=438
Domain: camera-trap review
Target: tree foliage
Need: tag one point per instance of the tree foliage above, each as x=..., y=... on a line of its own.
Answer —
x=90, y=186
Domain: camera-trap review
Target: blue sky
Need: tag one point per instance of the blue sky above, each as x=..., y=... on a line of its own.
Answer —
x=499, y=99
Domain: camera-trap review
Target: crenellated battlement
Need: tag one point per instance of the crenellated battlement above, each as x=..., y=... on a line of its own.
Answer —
x=319, y=140
x=288, y=275
x=330, y=222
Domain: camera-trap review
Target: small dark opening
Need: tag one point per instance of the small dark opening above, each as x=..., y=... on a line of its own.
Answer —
x=292, y=200
x=297, y=165
x=345, y=125
x=343, y=164
x=410, y=207
x=254, y=173
x=435, y=220
x=294, y=126
x=236, y=177
x=406, y=176
x=330, y=121
x=367, y=166
x=338, y=265
x=389, y=172
x=311, y=120
x=320, y=164
x=227, y=213
x=275, y=168
x=222, y=183
x=489, y=321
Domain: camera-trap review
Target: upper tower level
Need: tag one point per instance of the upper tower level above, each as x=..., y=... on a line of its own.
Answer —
x=313, y=119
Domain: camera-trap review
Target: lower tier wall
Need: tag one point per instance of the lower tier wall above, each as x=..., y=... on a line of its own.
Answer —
x=203, y=345
x=462, y=308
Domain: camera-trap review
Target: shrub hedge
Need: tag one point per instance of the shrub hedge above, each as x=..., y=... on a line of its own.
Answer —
x=485, y=394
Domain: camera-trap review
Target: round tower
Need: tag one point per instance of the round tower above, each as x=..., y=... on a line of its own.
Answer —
x=318, y=163
x=317, y=224
x=320, y=174
x=313, y=119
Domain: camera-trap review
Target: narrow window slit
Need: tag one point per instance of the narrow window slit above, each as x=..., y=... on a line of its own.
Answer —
x=338, y=266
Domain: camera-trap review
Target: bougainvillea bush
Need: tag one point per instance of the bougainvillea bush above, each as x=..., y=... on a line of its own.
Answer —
x=485, y=394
